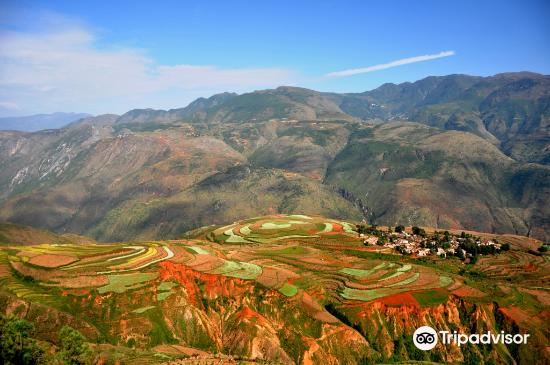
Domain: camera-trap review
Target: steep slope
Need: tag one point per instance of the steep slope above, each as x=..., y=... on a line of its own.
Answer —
x=148, y=184
x=120, y=185
x=220, y=198
x=304, y=147
x=510, y=110
x=506, y=109
x=478, y=174
x=195, y=111
x=14, y=234
x=404, y=172
x=72, y=188
x=31, y=160
x=283, y=102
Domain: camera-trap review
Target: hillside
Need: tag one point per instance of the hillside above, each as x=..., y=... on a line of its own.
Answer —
x=411, y=174
x=474, y=158
x=157, y=180
x=280, y=289
x=510, y=110
x=14, y=234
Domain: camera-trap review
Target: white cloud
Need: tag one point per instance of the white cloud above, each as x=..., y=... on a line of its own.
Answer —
x=64, y=70
x=9, y=105
x=383, y=66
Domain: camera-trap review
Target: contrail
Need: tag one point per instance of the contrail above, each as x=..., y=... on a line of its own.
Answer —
x=383, y=66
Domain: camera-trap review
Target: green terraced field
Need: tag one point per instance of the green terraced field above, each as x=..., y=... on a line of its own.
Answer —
x=124, y=282
x=431, y=297
x=280, y=270
x=289, y=290
x=241, y=270
x=280, y=228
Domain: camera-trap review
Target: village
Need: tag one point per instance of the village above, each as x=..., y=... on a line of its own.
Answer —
x=419, y=244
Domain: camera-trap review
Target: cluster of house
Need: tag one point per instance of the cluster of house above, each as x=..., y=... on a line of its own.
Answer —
x=420, y=246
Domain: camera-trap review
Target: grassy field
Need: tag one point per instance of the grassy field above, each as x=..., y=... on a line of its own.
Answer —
x=121, y=283
x=289, y=290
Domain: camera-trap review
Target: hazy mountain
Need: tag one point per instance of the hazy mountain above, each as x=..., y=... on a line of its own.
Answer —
x=38, y=122
x=476, y=157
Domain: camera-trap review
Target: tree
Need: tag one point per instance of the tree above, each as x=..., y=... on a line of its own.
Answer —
x=74, y=349
x=543, y=248
x=16, y=345
x=400, y=228
x=418, y=231
x=505, y=247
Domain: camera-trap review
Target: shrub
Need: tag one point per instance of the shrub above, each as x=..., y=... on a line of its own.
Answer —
x=418, y=231
x=74, y=348
x=400, y=228
x=16, y=345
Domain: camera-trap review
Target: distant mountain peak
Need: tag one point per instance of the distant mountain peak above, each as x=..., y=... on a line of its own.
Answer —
x=36, y=122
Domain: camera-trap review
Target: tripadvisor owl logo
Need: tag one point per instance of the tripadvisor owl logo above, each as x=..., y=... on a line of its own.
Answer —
x=425, y=338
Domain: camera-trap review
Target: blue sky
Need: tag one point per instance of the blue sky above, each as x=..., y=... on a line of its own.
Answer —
x=99, y=56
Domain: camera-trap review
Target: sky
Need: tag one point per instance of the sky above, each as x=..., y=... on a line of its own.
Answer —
x=112, y=56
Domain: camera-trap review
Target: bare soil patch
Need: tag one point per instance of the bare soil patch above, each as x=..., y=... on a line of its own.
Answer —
x=82, y=281
x=516, y=314
x=36, y=274
x=273, y=277
x=205, y=262
x=51, y=261
x=400, y=299
x=179, y=350
x=468, y=291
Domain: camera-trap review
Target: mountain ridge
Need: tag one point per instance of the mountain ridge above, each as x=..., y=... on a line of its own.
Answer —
x=486, y=106
x=144, y=174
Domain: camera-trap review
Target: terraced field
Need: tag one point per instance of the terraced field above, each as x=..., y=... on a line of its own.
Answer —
x=281, y=228
x=518, y=266
x=303, y=271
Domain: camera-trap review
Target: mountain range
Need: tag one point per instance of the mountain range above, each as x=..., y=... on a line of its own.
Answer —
x=453, y=151
x=33, y=123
